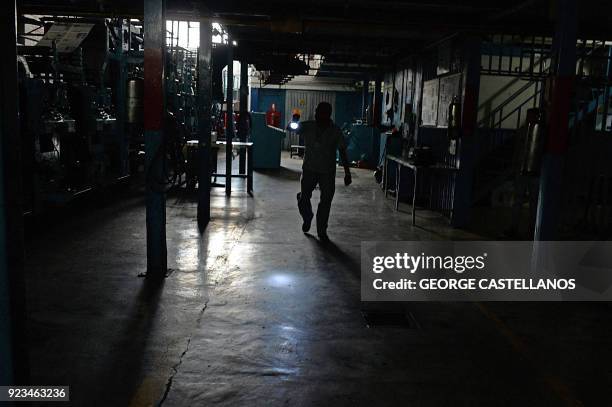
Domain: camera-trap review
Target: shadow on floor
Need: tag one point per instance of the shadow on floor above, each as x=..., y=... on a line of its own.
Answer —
x=282, y=172
x=338, y=255
x=124, y=371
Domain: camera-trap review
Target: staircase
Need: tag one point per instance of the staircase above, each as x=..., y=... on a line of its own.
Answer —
x=526, y=59
x=496, y=144
x=586, y=203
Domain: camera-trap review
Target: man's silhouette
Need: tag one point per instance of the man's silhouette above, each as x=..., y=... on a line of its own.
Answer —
x=321, y=138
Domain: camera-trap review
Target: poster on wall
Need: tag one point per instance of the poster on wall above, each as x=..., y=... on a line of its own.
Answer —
x=429, y=113
x=387, y=102
x=450, y=86
x=406, y=97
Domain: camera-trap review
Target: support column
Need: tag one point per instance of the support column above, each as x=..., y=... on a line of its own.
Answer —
x=204, y=122
x=462, y=197
x=122, y=109
x=154, y=112
x=564, y=63
x=377, y=102
x=14, y=364
x=243, y=128
x=229, y=131
x=365, y=96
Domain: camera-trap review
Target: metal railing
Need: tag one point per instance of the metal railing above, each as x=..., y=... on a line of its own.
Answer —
x=496, y=117
x=519, y=56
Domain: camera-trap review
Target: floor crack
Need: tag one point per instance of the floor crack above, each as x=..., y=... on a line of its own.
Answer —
x=237, y=235
x=177, y=365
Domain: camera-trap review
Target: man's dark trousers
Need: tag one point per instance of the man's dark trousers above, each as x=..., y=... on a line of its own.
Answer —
x=327, y=186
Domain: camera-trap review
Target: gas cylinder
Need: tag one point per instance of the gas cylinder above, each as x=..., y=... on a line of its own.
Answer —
x=454, y=119
x=534, y=143
x=135, y=100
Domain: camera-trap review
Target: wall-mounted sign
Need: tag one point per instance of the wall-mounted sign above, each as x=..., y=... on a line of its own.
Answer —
x=429, y=113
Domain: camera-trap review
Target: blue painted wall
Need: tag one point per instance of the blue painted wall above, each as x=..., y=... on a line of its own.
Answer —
x=262, y=99
x=348, y=104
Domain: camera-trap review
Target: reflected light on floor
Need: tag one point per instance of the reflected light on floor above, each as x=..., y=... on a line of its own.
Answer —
x=280, y=280
x=187, y=257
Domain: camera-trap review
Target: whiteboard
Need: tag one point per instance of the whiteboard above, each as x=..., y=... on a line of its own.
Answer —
x=429, y=112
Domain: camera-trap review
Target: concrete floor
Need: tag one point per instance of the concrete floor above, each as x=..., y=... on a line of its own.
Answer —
x=256, y=313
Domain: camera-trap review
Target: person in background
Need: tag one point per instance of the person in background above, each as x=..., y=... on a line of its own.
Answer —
x=294, y=123
x=321, y=140
x=273, y=116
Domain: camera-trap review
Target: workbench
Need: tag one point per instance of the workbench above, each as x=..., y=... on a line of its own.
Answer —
x=404, y=163
x=297, y=150
x=248, y=146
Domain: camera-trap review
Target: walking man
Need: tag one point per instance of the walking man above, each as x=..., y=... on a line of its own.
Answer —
x=321, y=138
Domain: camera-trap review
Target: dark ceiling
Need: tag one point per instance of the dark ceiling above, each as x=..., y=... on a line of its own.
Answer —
x=354, y=35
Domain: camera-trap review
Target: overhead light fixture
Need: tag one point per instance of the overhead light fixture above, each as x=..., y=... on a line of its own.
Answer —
x=234, y=43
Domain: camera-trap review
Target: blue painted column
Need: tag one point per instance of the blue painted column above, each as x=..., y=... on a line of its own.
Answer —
x=244, y=111
x=365, y=96
x=204, y=121
x=14, y=363
x=462, y=197
x=564, y=66
x=154, y=43
x=377, y=102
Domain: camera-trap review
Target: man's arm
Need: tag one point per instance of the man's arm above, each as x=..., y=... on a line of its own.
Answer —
x=348, y=179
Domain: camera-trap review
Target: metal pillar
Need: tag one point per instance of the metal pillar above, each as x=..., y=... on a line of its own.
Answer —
x=462, y=197
x=564, y=49
x=377, y=102
x=155, y=41
x=204, y=124
x=122, y=78
x=13, y=344
x=244, y=111
x=365, y=96
x=229, y=131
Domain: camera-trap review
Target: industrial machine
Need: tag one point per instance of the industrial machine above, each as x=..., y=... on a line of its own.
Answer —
x=82, y=106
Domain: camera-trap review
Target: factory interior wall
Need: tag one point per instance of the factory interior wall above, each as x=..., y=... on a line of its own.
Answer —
x=262, y=99
x=402, y=82
x=306, y=101
x=347, y=104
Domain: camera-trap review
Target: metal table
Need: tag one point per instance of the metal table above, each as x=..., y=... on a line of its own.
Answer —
x=248, y=147
x=401, y=162
x=297, y=150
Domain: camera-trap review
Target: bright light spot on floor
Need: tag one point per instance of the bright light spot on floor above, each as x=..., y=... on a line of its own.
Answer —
x=280, y=280
x=215, y=243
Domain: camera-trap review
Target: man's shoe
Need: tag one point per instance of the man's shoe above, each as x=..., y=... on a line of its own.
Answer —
x=323, y=238
x=306, y=225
